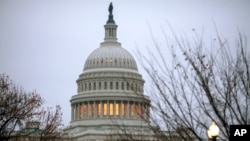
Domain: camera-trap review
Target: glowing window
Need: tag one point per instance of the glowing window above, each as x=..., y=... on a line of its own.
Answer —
x=137, y=111
x=124, y=109
x=91, y=109
x=132, y=110
x=99, y=109
x=111, y=109
x=117, y=109
x=85, y=110
x=105, y=109
x=81, y=111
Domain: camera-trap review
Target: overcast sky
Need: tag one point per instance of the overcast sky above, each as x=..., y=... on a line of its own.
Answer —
x=44, y=43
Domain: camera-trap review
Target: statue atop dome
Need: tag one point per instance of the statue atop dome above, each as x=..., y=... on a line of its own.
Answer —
x=110, y=8
x=110, y=20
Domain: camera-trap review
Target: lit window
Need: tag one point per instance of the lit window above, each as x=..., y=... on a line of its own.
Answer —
x=81, y=111
x=137, y=111
x=91, y=109
x=132, y=110
x=105, y=109
x=99, y=109
x=111, y=109
x=117, y=109
x=85, y=110
x=123, y=109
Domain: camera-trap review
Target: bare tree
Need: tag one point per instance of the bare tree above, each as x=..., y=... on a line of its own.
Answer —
x=51, y=123
x=198, y=84
x=17, y=107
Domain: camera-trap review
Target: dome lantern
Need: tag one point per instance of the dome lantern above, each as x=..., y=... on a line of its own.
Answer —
x=110, y=27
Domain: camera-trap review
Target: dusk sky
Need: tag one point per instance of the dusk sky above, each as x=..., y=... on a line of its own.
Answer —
x=44, y=43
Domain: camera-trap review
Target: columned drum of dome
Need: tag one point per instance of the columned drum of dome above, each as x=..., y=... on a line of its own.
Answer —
x=109, y=92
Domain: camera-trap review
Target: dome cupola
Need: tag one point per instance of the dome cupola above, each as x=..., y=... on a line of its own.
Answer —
x=110, y=54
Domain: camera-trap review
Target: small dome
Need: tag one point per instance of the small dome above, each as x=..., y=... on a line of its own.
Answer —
x=110, y=57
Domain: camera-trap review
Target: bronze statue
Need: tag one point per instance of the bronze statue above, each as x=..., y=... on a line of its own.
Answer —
x=110, y=20
x=110, y=8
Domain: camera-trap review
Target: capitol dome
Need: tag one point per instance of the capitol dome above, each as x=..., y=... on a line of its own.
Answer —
x=109, y=92
x=110, y=56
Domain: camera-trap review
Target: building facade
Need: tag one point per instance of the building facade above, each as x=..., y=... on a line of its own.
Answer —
x=110, y=103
